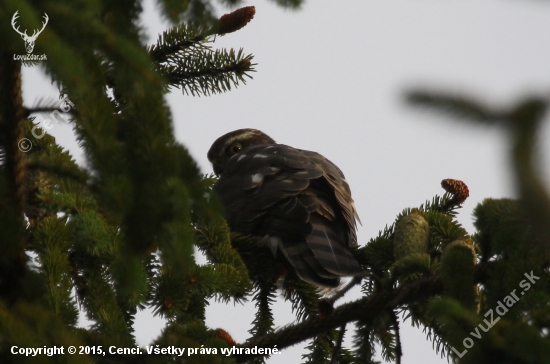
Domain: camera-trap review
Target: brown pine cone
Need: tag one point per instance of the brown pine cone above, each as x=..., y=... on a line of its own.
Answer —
x=229, y=23
x=225, y=336
x=457, y=188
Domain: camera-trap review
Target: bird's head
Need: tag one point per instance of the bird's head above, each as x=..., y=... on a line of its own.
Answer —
x=233, y=143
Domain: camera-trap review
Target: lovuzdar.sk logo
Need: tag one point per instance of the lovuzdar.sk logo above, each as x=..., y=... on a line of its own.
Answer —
x=29, y=40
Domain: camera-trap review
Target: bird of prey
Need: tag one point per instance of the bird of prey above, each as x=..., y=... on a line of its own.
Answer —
x=298, y=200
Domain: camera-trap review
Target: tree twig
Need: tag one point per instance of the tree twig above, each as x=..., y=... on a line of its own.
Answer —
x=339, y=294
x=398, y=348
x=338, y=345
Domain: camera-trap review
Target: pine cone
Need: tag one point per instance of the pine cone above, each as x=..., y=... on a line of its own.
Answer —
x=457, y=267
x=457, y=188
x=467, y=244
x=225, y=336
x=412, y=234
x=229, y=23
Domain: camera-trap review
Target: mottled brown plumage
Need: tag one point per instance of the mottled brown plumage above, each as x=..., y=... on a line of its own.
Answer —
x=298, y=200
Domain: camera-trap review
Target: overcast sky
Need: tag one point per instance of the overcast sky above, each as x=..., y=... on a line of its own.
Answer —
x=331, y=78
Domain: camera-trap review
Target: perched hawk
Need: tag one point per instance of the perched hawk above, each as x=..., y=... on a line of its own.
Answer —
x=298, y=200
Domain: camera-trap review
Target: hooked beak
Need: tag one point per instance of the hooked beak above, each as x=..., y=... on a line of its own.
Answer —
x=217, y=169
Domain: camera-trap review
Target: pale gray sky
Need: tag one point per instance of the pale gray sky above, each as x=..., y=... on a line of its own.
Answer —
x=331, y=77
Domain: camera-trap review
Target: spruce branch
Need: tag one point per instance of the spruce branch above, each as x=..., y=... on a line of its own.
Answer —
x=176, y=40
x=459, y=106
x=364, y=342
x=523, y=120
x=398, y=348
x=291, y=4
x=342, y=292
x=209, y=72
x=44, y=109
x=48, y=106
x=184, y=37
x=303, y=296
x=526, y=118
x=365, y=309
x=431, y=328
x=60, y=171
x=338, y=345
x=263, y=320
x=183, y=57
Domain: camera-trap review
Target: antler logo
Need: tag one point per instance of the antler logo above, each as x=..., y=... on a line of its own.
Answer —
x=29, y=40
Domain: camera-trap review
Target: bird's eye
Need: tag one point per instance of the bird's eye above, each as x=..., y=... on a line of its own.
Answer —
x=235, y=148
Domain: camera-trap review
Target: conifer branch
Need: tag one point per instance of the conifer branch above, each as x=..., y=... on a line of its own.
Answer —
x=458, y=106
x=263, y=321
x=184, y=37
x=338, y=345
x=398, y=347
x=365, y=309
x=342, y=292
x=211, y=72
x=525, y=119
x=164, y=49
x=45, y=109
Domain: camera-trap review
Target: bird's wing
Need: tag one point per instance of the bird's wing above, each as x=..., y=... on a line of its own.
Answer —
x=283, y=193
x=334, y=176
x=260, y=177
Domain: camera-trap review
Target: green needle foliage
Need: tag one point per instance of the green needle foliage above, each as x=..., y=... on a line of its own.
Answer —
x=119, y=235
x=184, y=58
